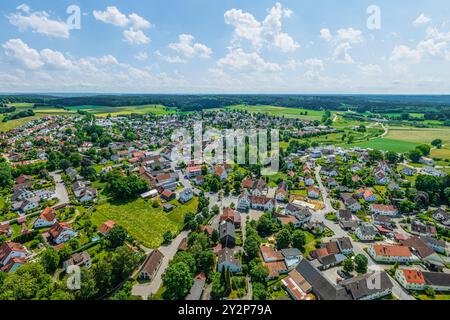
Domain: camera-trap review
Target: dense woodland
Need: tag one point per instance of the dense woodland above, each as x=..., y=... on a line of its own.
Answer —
x=436, y=107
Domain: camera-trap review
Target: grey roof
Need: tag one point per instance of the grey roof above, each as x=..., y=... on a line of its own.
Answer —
x=226, y=229
x=196, y=290
x=290, y=252
x=227, y=255
x=367, y=229
x=344, y=243
x=437, y=278
x=365, y=285
x=321, y=286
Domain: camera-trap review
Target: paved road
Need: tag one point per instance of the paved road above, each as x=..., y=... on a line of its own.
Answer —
x=146, y=289
x=60, y=189
x=358, y=247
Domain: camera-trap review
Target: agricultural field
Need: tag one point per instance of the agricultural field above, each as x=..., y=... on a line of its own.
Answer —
x=142, y=221
x=103, y=111
x=386, y=144
x=419, y=135
x=280, y=111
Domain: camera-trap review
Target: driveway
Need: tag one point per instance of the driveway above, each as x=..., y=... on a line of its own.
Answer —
x=146, y=289
x=60, y=189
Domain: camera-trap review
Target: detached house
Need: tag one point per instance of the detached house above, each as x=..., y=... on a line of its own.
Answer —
x=391, y=253
x=186, y=195
x=47, y=218
x=366, y=232
x=263, y=203
x=61, y=232
x=350, y=203
x=232, y=216
x=12, y=256
x=313, y=192
x=226, y=259
x=382, y=209
x=243, y=201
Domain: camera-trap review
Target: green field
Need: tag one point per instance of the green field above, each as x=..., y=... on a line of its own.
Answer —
x=280, y=111
x=144, y=222
x=419, y=135
x=99, y=111
x=103, y=111
x=386, y=144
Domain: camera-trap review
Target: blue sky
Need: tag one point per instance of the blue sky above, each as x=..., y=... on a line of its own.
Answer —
x=204, y=46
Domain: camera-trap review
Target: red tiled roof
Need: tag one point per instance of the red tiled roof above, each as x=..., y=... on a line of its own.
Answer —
x=106, y=226
x=391, y=251
x=48, y=214
x=414, y=276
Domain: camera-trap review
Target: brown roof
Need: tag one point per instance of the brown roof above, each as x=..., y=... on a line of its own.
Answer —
x=391, y=251
x=152, y=261
x=48, y=214
x=418, y=245
x=106, y=226
x=332, y=247
x=58, y=227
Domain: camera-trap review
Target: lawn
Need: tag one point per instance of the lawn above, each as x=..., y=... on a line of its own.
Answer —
x=143, y=222
x=281, y=111
x=386, y=144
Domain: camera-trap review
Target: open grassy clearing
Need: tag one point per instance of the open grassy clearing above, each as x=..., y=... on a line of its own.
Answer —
x=280, y=111
x=419, y=135
x=386, y=145
x=143, y=222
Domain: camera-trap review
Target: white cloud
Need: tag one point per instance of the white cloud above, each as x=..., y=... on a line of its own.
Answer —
x=55, y=59
x=341, y=54
x=188, y=48
x=20, y=52
x=314, y=63
x=38, y=22
x=24, y=7
x=342, y=43
x=370, y=69
x=138, y=22
x=421, y=20
x=170, y=59
x=135, y=37
x=239, y=60
x=435, y=45
x=349, y=35
x=266, y=33
x=141, y=56
x=326, y=34
x=111, y=15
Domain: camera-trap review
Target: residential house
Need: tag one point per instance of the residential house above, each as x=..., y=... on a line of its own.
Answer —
x=350, y=203
x=47, y=218
x=226, y=259
x=5, y=229
x=186, y=195
x=11, y=251
x=386, y=210
x=263, y=203
x=391, y=253
x=413, y=279
x=151, y=265
x=243, y=201
x=61, y=232
x=313, y=192
x=79, y=259
x=227, y=235
x=167, y=195
x=106, y=227
x=422, y=229
x=232, y=216
x=442, y=216
x=297, y=287
x=366, y=232
x=369, y=286
x=197, y=288
x=437, y=245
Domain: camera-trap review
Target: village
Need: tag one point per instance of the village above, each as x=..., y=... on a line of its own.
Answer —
x=333, y=224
